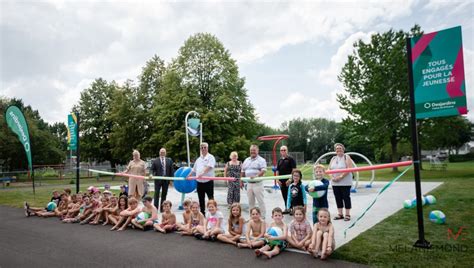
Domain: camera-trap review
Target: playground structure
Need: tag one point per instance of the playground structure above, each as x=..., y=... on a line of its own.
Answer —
x=193, y=127
x=277, y=138
x=356, y=184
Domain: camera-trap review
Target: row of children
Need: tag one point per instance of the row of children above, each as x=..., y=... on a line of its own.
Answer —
x=123, y=212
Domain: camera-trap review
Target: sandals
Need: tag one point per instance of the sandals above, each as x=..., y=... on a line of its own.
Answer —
x=340, y=217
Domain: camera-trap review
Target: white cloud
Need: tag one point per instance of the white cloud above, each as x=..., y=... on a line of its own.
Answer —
x=329, y=75
x=298, y=104
x=52, y=50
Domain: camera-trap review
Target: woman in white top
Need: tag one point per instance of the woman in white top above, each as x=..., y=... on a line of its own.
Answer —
x=341, y=182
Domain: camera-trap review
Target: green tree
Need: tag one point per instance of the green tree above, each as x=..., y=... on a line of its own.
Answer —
x=59, y=131
x=150, y=82
x=45, y=147
x=204, y=77
x=445, y=133
x=314, y=136
x=94, y=110
x=375, y=80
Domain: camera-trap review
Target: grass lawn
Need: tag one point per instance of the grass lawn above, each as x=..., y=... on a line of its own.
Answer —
x=389, y=243
x=15, y=196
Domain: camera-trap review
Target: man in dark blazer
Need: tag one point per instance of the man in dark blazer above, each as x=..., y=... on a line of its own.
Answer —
x=162, y=166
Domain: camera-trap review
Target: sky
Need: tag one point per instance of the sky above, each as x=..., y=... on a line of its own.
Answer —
x=290, y=52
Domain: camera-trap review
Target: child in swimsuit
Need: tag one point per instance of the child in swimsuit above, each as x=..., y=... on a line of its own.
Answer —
x=114, y=213
x=98, y=213
x=168, y=219
x=149, y=209
x=236, y=224
x=274, y=244
x=74, y=207
x=127, y=215
x=322, y=242
x=186, y=216
x=105, y=211
x=299, y=235
x=196, y=219
x=255, y=231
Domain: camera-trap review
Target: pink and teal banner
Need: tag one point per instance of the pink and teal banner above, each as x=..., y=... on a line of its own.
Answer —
x=438, y=74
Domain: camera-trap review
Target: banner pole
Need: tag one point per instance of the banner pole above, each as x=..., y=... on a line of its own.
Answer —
x=421, y=242
x=78, y=159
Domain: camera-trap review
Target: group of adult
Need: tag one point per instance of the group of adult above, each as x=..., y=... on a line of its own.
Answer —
x=252, y=167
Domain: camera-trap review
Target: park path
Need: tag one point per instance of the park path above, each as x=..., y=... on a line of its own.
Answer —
x=37, y=242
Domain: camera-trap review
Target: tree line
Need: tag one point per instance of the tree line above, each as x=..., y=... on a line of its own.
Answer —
x=148, y=113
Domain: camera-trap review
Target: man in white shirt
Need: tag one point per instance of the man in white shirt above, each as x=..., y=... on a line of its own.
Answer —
x=255, y=166
x=204, y=167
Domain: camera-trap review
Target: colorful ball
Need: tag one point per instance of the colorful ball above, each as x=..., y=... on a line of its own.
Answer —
x=185, y=186
x=275, y=231
x=423, y=201
x=51, y=206
x=316, y=194
x=430, y=200
x=437, y=216
x=407, y=203
x=142, y=217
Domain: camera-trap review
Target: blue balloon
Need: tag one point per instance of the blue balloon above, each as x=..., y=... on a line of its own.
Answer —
x=186, y=186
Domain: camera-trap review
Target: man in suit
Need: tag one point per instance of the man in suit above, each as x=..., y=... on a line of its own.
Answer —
x=162, y=166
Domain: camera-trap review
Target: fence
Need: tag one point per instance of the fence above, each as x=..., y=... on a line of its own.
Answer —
x=268, y=155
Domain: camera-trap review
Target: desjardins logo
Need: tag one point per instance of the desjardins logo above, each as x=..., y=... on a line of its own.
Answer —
x=439, y=105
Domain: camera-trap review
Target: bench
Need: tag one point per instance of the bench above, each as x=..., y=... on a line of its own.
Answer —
x=435, y=164
x=7, y=180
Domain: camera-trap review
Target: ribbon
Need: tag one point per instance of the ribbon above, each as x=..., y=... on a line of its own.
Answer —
x=267, y=178
x=381, y=166
x=375, y=199
x=160, y=177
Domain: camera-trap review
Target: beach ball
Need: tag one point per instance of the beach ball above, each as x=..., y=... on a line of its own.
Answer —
x=316, y=194
x=407, y=203
x=423, y=201
x=185, y=186
x=437, y=216
x=275, y=231
x=142, y=216
x=430, y=200
x=51, y=206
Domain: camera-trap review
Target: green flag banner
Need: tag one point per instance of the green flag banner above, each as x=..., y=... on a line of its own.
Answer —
x=17, y=123
x=438, y=74
x=72, y=131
